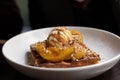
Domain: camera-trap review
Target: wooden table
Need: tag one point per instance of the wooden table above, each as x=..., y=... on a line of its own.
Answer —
x=9, y=73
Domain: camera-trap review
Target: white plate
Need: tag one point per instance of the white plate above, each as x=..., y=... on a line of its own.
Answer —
x=105, y=43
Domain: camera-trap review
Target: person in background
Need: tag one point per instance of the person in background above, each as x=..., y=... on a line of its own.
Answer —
x=11, y=22
x=89, y=13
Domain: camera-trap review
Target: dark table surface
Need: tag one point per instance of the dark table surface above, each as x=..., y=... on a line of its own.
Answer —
x=9, y=73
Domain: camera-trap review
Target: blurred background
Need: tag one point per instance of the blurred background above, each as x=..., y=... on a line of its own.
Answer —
x=102, y=14
x=23, y=5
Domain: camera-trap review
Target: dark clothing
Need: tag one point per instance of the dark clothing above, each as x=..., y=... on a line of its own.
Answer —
x=99, y=14
x=11, y=22
x=46, y=13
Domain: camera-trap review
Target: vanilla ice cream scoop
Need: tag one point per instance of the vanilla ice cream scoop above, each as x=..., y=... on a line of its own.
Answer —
x=59, y=37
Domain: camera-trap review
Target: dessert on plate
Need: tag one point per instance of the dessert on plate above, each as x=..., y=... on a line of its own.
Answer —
x=63, y=48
